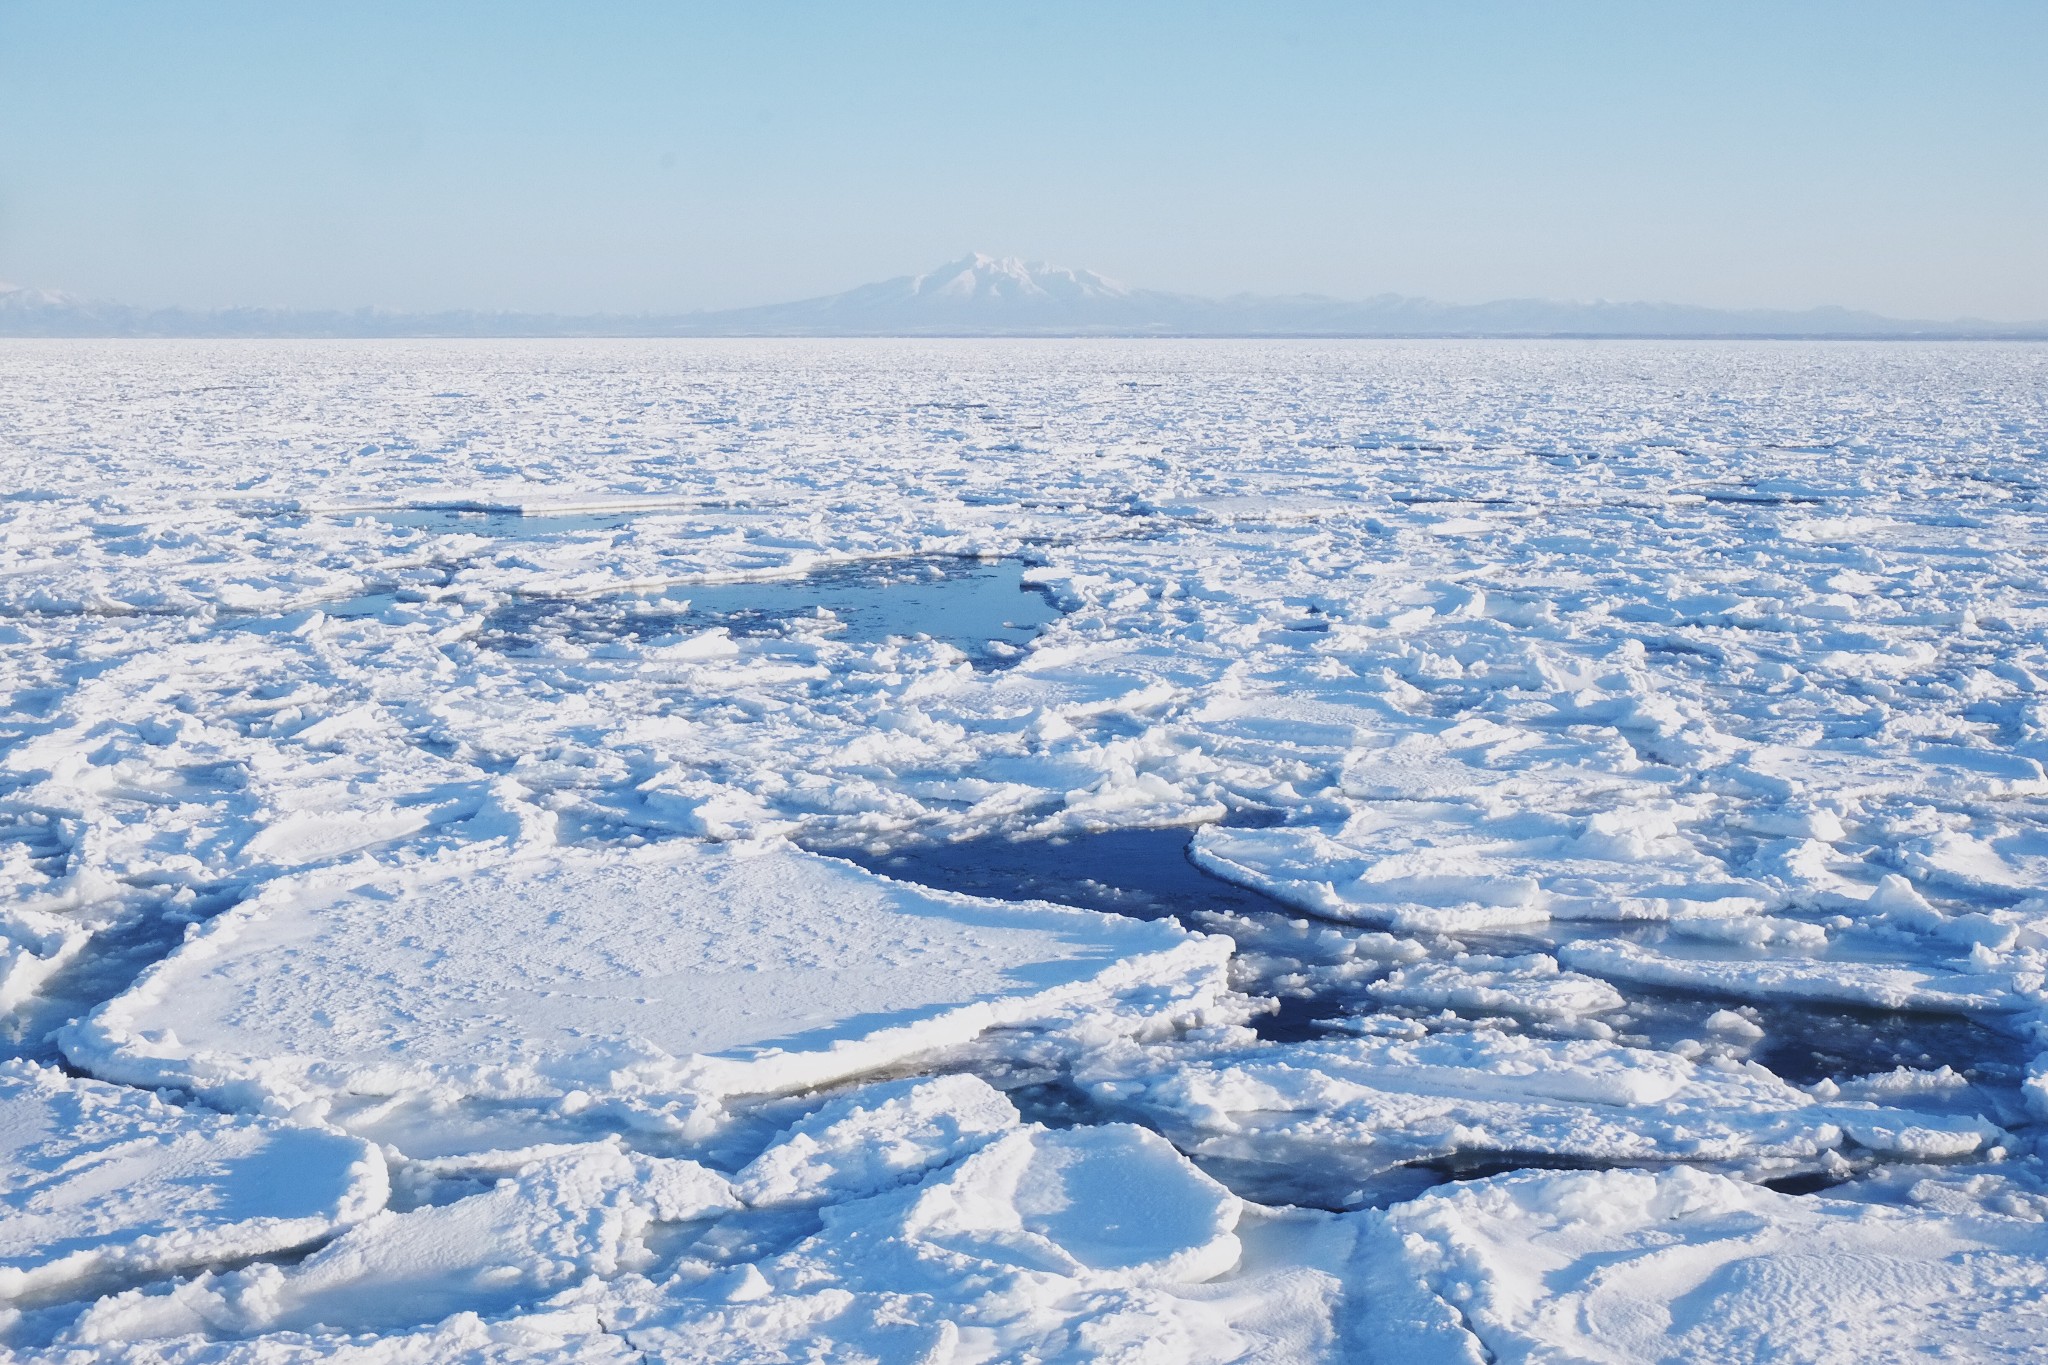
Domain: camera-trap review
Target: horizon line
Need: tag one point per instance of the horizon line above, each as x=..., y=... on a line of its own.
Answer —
x=31, y=311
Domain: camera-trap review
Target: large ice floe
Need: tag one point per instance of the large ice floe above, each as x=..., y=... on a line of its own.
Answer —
x=647, y=985
x=981, y=851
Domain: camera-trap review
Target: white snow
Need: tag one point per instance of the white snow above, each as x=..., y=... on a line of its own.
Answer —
x=408, y=753
x=1530, y=987
x=104, y=1184
x=1626, y=1266
x=875, y=1139
x=1097, y=1243
x=1936, y=988
x=556, y=1222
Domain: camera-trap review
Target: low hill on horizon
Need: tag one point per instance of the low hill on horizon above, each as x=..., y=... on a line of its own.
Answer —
x=980, y=295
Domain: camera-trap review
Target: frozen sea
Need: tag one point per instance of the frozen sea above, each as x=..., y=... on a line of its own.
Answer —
x=889, y=851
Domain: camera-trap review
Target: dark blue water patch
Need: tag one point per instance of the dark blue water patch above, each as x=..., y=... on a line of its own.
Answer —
x=1341, y=1178
x=983, y=607
x=1147, y=874
x=1805, y=1043
x=110, y=964
x=1142, y=873
x=1805, y=1182
x=1300, y=1018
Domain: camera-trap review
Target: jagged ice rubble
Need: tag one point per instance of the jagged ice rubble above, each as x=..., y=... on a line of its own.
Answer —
x=1023, y=851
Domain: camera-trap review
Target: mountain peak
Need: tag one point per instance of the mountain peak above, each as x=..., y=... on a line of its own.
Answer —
x=999, y=279
x=20, y=298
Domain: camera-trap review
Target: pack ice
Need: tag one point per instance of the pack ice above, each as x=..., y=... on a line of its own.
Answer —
x=981, y=851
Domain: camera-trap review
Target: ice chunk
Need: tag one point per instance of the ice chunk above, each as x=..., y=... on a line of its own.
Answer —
x=1449, y=866
x=1402, y=1100
x=34, y=946
x=576, y=976
x=1684, y=1266
x=1108, y=1205
x=558, y=1220
x=1090, y=1243
x=100, y=1185
x=1855, y=983
x=1529, y=987
x=876, y=1138
x=1734, y=1025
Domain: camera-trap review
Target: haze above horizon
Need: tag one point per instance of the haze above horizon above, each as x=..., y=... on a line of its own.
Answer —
x=638, y=159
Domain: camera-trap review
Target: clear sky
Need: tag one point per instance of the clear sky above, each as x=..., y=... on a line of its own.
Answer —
x=665, y=156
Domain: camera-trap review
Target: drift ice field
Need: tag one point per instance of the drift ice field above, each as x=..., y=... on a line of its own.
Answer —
x=1023, y=851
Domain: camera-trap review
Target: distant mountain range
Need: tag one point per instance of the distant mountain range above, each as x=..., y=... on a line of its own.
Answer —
x=987, y=296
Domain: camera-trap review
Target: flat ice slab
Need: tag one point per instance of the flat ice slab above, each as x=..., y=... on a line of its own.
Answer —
x=574, y=976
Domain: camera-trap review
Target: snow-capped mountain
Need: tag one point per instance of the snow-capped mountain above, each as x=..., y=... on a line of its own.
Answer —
x=18, y=296
x=18, y=301
x=1010, y=280
x=975, y=294
x=981, y=295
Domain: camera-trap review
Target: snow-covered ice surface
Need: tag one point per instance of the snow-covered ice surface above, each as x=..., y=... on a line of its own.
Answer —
x=1628, y=1266
x=754, y=851
x=105, y=1183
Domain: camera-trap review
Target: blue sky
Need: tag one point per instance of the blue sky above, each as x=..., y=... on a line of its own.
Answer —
x=633, y=157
